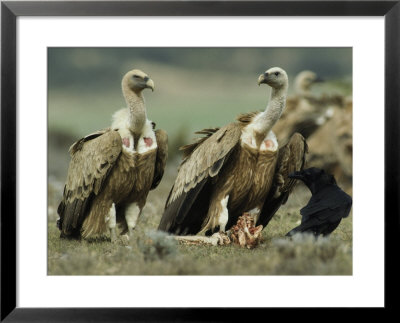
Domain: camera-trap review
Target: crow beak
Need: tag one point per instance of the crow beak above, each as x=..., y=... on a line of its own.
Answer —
x=296, y=175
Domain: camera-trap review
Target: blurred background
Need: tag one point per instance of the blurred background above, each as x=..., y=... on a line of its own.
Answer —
x=195, y=88
x=198, y=88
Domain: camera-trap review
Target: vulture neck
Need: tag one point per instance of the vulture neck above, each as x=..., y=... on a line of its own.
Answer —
x=137, y=109
x=266, y=120
x=300, y=88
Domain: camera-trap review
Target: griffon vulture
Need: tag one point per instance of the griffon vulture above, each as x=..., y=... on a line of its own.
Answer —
x=305, y=111
x=331, y=146
x=304, y=81
x=235, y=169
x=111, y=171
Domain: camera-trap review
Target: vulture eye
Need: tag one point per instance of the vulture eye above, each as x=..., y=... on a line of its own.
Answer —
x=276, y=73
x=136, y=76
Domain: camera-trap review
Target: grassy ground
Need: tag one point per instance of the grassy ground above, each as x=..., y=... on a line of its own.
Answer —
x=151, y=253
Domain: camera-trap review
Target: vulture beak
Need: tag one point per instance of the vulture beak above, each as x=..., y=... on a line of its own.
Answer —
x=296, y=175
x=149, y=84
x=262, y=78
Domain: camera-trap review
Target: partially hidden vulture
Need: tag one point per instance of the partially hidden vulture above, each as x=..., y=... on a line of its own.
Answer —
x=305, y=111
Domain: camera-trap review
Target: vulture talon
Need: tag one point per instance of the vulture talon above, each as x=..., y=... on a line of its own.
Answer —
x=130, y=232
x=125, y=239
x=221, y=238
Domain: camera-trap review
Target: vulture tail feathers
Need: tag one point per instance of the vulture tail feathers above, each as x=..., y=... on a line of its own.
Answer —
x=72, y=214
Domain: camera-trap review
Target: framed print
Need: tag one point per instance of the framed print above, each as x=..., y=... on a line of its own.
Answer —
x=62, y=68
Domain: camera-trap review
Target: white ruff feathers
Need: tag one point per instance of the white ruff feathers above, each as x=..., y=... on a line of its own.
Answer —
x=121, y=121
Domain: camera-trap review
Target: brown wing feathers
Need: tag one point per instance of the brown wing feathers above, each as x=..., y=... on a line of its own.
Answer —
x=194, y=202
x=246, y=118
x=291, y=158
x=161, y=158
x=201, y=162
x=92, y=158
x=76, y=146
x=188, y=201
x=189, y=148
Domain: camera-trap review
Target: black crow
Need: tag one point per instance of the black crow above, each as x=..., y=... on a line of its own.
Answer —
x=327, y=206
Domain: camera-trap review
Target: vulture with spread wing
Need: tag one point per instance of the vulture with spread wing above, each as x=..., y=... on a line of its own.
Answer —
x=112, y=171
x=235, y=169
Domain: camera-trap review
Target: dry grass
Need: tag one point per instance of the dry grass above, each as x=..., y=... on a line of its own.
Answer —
x=153, y=253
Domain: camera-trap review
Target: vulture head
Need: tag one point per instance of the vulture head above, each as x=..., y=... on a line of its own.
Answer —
x=304, y=80
x=275, y=77
x=313, y=177
x=137, y=81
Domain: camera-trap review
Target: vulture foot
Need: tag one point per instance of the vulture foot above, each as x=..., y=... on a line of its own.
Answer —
x=245, y=233
x=221, y=238
x=216, y=239
x=113, y=235
x=130, y=232
x=124, y=239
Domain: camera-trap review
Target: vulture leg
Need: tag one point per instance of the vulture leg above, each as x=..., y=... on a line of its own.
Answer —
x=224, y=215
x=112, y=222
x=132, y=214
x=218, y=238
x=219, y=215
x=222, y=238
x=223, y=218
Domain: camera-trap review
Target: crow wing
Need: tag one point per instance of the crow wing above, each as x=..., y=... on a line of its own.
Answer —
x=330, y=204
x=316, y=225
x=323, y=222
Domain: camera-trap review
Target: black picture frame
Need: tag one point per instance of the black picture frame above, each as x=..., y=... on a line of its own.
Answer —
x=11, y=10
